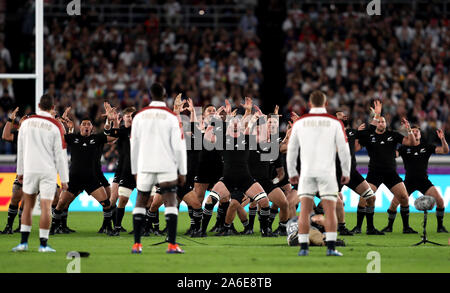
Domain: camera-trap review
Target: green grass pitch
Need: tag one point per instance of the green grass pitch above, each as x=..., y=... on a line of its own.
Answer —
x=233, y=254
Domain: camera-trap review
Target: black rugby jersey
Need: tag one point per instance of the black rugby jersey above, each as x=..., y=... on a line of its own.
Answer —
x=381, y=148
x=123, y=143
x=415, y=159
x=352, y=135
x=84, y=152
x=209, y=155
x=260, y=169
x=236, y=155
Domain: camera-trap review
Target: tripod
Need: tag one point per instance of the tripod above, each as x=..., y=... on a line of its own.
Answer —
x=424, y=236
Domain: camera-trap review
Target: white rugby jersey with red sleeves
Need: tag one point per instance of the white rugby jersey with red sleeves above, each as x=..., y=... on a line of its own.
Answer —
x=41, y=147
x=157, y=143
x=318, y=135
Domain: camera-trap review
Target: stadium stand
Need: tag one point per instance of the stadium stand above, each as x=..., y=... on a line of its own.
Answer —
x=355, y=58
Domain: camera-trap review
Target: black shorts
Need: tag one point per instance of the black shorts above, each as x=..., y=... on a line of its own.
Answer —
x=388, y=178
x=420, y=184
x=236, y=184
x=187, y=187
x=117, y=173
x=208, y=172
x=267, y=185
x=103, y=180
x=283, y=181
x=192, y=162
x=89, y=184
x=116, y=178
x=237, y=195
x=355, y=180
x=127, y=181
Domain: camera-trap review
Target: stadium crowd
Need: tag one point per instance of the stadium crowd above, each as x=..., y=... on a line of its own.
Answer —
x=404, y=58
x=85, y=65
x=354, y=58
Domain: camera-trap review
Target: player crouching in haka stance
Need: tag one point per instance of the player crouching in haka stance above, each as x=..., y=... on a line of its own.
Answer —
x=126, y=180
x=83, y=174
x=236, y=178
x=358, y=183
x=318, y=135
x=11, y=134
x=415, y=159
x=381, y=145
x=158, y=156
x=260, y=159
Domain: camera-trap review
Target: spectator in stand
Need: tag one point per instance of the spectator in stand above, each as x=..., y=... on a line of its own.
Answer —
x=354, y=58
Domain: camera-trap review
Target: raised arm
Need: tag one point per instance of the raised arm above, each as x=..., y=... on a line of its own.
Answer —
x=7, y=134
x=67, y=122
x=191, y=109
x=177, y=104
x=408, y=140
x=444, y=148
x=377, y=111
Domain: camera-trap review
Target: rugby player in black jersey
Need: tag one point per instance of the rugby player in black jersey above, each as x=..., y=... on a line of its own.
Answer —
x=107, y=216
x=83, y=171
x=192, y=130
x=127, y=182
x=289, y=190
x=11, y=133
x=209, y=166
x=259, y=164
x=358, y=184
x=415, y=159
x=381, y=145
x=236, y=178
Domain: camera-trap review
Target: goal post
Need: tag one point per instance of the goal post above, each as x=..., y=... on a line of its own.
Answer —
x=38, y=76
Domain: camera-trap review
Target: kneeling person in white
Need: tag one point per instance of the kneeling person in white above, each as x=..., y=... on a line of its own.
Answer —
x=318, y=135
x=41, y=155
x=158, y=156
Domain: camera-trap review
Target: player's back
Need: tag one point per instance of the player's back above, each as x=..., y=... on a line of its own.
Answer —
x=37, y=140
x=317, y=140
x=152, y=137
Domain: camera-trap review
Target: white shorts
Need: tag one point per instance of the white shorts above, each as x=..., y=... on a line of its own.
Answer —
x=145, y=181
x=326, y=186
x=44, y=184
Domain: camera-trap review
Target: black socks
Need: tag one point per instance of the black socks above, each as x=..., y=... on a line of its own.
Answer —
x=360, y=214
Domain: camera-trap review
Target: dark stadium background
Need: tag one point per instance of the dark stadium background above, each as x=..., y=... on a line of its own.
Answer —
x=411, y=73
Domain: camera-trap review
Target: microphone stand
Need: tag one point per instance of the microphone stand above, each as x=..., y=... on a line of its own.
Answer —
x=424, y=236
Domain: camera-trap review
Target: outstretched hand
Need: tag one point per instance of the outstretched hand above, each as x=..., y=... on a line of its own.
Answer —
x=177, y=103
x=294, y=116
x=14, y=114
x=440, y=134
x=406, y=123
x=378, y=106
